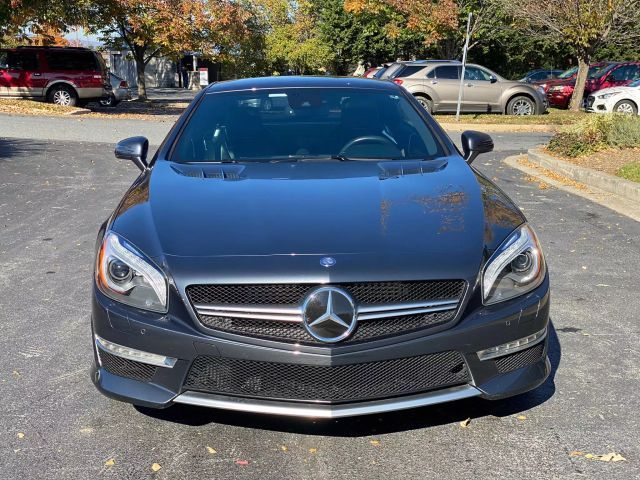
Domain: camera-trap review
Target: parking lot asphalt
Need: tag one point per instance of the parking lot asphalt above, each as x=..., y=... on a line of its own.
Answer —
x=54, y=424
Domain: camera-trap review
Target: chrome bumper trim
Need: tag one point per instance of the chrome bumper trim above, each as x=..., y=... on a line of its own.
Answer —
x=310, y=410
x=284, y=313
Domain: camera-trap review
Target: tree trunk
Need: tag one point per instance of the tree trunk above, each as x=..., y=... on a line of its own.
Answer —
x=581, y=79
x=138, y=55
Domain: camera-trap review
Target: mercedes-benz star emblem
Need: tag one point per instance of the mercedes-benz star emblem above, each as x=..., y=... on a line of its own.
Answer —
x=329, y=314
x=327, y=261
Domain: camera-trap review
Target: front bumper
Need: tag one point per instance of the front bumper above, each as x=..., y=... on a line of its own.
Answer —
x=176, y=336
x=597, y=105
x=558, y=99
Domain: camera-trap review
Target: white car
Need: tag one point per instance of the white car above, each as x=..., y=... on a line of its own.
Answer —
x=616, y=99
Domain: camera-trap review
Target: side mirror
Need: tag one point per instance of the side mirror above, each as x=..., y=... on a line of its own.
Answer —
x=475, y=143
x=134, y=149
x=494, y=79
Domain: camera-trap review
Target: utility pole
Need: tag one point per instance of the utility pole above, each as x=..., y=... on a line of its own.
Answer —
x=464, y=67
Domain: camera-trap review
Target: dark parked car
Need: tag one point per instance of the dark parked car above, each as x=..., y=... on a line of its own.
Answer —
x=540, y=75
x=62, y=75
x=335, y=257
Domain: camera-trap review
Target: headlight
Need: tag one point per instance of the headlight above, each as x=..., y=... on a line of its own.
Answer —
x=126, y=275
x=556, y=88
x=607, y=95
x=540, y=89
x=516, y=267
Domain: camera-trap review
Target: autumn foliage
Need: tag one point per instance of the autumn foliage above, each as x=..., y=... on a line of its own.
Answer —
x=432, y=19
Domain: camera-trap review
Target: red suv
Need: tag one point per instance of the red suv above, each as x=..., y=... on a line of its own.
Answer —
x=601, y=75
x=62, y=75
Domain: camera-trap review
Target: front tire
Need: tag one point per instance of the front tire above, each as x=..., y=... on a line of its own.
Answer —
x=109, y=101
x=521, y=106
x=626, y=107
x=426, y=103
x=63, y=95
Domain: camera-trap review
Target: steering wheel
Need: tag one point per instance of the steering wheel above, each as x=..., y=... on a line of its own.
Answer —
x=374, y=139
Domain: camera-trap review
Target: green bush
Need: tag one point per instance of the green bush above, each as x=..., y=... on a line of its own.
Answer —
x=597, y=132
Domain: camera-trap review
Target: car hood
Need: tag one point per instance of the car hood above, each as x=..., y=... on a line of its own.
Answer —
x=616, y=90
x=411, y=218
x=558, y=81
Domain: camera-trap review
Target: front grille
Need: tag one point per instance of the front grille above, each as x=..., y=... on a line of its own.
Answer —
x=325, y=383
x=590, y=100
x=124, y=367
x=292, y=294
x=517, y=360
x=295, y=332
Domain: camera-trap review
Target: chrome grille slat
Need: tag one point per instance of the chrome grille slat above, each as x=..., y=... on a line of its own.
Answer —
x=294, y=314
x=274, y=311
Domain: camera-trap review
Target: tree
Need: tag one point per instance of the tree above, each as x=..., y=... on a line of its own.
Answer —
x=38, y=17
x=583, y=25
x=150, y=28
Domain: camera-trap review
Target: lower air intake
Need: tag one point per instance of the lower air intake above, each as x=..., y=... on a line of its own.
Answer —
x=325, y=383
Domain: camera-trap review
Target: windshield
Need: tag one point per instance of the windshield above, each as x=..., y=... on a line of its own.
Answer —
x=305, y=123
x=568, y=73
x=380, y=72
x=599, y=70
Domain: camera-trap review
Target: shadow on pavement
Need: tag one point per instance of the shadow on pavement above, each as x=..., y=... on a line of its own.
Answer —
x=424, y=417
x=15, y=147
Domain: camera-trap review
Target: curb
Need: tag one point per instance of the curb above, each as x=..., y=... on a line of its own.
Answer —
x=618, y=186
x=79, y=111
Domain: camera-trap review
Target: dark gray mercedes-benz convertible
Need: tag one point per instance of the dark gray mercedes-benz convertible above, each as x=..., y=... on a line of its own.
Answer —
x=315, y=247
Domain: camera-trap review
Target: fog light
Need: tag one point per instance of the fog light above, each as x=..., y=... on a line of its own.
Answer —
x=136, y=355
x=512, y=347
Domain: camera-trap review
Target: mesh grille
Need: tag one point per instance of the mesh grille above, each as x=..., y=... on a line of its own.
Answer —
x=295, y=332
x=293, y=294
x=517, y=360
x=338, y=383
x=126, y=368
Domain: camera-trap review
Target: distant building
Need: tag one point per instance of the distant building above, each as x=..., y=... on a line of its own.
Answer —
x=159, y=72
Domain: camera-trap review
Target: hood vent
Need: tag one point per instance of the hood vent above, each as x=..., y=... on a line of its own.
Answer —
x=215, y=171
x=401, y=168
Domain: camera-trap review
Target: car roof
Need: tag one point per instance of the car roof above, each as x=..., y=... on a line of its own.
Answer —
x=275, y=82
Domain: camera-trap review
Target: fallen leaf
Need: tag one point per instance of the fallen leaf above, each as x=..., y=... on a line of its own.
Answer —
x=611, y=457
x=20, y=435
x=110, y=463
x=155, y=467
x=313, y=450
x=284, y=448
x=465, y=423
x=211, y=450
x=576, y=453
x=375, y=442
x=521, y=417
x=242, y=462
x=86, y=430
x=16, y=374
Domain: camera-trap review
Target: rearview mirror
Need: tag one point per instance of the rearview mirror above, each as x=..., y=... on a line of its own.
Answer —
x=134, y=149
x=475, y=143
